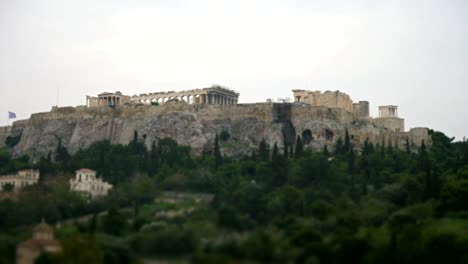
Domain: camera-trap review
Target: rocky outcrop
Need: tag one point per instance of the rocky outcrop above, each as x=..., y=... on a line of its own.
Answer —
x=197, y=126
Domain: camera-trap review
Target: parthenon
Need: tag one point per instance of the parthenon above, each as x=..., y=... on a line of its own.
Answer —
x=213, y=95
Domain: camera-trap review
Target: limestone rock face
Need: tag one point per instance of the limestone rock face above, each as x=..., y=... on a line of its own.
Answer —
x=197, y=126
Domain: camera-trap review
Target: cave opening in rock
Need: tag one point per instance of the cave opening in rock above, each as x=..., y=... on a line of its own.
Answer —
x=307, y=136
x=329, y=135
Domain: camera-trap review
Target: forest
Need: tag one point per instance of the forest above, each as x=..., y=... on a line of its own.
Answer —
x=280, y=204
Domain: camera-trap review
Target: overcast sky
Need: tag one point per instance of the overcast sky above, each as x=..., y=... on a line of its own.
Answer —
x=411, y=53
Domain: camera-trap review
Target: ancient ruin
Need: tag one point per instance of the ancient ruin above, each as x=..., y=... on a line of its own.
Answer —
x=194, y=117
x=388, y=115
x=214, y=95
x=388, y=119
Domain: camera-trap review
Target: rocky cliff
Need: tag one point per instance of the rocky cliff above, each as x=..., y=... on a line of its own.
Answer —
x=197, y=125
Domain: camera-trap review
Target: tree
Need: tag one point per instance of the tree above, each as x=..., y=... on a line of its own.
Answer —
x=424, y=165
x=224, y=136
x=264, y=151
x=8, y=187
x=12, y=141
x=408, y=146
x=44, y=258
x=339, y=147
x=454, y=195
x=154, y=160
x=79, y=249
x=275, y=154
x=299, y=147
x=287, y=200
x=351, y=162
x=286, y=150
x=347, y=142
x=325, y=151
x=217, y=153
x=114, y=222
x=139, y=191
x=61, y=153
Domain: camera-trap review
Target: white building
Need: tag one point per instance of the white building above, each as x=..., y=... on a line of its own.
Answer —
x=86, y=182
x=22, y=179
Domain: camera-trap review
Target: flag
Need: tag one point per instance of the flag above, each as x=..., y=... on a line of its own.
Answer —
x=11, y=115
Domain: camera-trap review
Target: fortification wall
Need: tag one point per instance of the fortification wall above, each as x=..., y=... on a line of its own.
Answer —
x=327, y=99
x=390, y=123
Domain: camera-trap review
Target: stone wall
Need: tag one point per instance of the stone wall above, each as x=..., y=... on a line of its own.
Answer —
x=390, y=123
x=327, y=99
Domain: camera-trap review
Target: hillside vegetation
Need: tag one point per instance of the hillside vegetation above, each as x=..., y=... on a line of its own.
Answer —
x=281, y=204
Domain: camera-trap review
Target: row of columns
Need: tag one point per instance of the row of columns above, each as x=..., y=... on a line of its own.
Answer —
x=103, y=101
x=195, y=99
x=109, y=101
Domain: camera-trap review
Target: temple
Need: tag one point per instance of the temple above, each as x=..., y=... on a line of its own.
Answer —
x=216, y=95
x=388, y=118
x=388, y=115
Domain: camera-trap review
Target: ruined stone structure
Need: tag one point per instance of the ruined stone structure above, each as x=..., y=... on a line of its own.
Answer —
x=335, y=99
x=388, y=119
x=213, y=95
x=22, y=179
x=107, y=99
x=87, y=183
x=42, y=241
x=320, y=118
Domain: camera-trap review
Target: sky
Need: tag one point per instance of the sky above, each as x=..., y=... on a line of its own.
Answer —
x=410, y=53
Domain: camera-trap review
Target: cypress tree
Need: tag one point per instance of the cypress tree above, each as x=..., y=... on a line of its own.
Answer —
x=339, y=146
x=408, y=147
x=430, y=183
x=325, y=151
x=275, y=154
x=61, y=153
x=351, y=162
x=390, y=147
x=286, y=150
x=217, y=153
x=299, y=147
x=347, y=142
x=264, y=151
